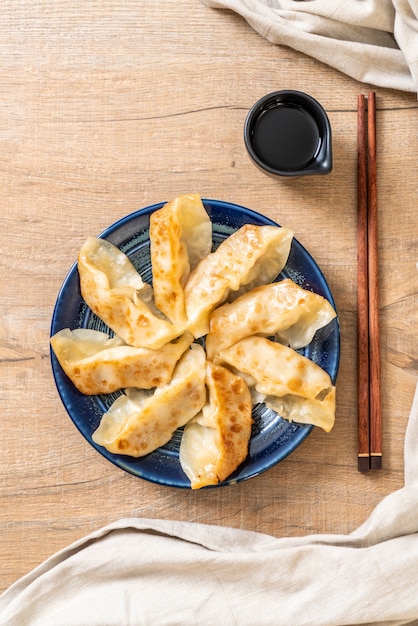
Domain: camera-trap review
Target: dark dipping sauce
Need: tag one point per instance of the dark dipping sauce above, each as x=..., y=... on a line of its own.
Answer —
x=285, y=137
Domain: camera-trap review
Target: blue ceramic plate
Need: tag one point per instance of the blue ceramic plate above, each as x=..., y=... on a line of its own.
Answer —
x=273, y=438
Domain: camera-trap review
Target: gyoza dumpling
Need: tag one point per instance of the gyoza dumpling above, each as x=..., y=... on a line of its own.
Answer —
x=251, y=256
x=319, y=411
x=215, y=442
x=279, y=372
x=281, y=308
x=114, y=290
x=96, y=363
x=140, y=421
x=180, y=236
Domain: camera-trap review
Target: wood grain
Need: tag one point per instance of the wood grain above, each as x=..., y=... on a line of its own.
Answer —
x=108, y=107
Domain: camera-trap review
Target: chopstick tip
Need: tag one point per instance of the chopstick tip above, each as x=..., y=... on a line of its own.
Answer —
x=363, y=463
x=375, y=461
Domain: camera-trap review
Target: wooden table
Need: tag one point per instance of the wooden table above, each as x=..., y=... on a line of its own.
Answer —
x=108, y=107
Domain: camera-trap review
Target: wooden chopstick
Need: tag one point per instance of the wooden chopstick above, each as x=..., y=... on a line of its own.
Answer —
x=374, y=326
x=369, y=397
x=362, y=292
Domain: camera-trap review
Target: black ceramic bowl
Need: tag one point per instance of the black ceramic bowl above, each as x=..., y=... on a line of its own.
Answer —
x=287, y=133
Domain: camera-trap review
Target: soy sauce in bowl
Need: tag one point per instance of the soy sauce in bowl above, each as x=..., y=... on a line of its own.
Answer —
x=287, y=133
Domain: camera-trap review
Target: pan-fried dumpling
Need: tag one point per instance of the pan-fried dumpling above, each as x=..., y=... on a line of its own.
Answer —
x=215, y=442
x=319, y=411
x=114, y=290
x=281, y=372
x=251, y=256
x=281, y=308
x=141, y=421
x=98, y=364
x=180, y=236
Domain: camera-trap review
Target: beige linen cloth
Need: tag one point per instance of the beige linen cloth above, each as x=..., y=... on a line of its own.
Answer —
x=373, y=41
x=160, y=572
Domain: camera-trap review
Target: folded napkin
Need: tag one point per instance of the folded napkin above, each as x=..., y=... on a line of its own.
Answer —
x=373, y=41
x=160, y=572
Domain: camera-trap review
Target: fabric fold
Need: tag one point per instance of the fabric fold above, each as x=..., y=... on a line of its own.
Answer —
x=207, y=575
x=372, y=41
